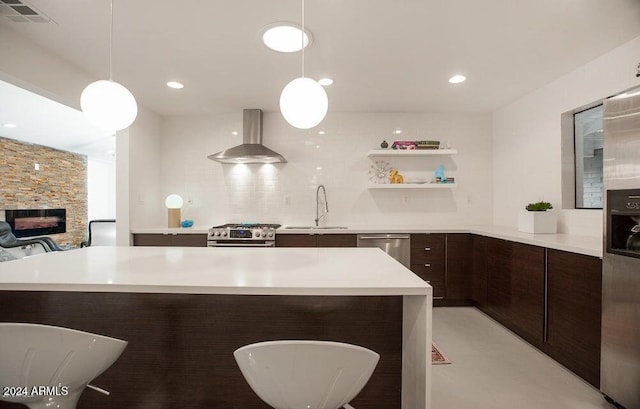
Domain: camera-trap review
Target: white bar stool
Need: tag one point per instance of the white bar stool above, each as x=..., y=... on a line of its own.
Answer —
x=41, y=356
x=306, y=374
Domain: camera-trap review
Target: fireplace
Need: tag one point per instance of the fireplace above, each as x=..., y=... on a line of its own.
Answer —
x=36, y=222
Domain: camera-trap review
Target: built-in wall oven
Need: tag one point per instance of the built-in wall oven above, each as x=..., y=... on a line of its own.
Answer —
x=242, y=235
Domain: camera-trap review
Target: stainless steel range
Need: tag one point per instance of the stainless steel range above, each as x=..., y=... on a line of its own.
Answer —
x=242, y=235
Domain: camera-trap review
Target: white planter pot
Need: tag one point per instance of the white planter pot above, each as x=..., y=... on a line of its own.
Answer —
x=538, y=222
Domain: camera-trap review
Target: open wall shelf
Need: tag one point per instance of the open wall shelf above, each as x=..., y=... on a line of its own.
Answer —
x=412, y=186
x=411, y=152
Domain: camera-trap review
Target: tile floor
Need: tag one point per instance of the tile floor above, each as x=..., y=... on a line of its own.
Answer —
x=494, y=369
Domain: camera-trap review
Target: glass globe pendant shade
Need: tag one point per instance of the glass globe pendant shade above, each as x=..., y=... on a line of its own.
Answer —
x=173, y=201
x=304, y=103
x=108, y=105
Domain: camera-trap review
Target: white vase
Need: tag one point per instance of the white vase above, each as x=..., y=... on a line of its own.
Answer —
x=538, y=222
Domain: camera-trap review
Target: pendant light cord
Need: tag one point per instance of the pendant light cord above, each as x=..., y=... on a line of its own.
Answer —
x=302, y=39
x=111, y=45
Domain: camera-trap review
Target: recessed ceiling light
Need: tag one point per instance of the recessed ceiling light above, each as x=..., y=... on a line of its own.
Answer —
x=325, y=82
x=234, y=133
x=9, y=125
x=321, y=132
x=397, y=131
x=457, y=79
x=175, y=85
x=285, y=37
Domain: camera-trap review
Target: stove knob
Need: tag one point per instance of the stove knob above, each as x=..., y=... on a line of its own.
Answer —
x=270, y=234
x=264, y=234
x=217, y=233
x=224, y=233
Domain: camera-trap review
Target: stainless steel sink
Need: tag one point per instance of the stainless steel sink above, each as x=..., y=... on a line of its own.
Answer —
x=315, y=227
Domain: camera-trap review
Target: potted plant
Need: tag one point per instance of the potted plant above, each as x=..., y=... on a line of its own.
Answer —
x=538, y=217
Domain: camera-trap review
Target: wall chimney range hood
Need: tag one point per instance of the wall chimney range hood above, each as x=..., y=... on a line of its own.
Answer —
x=252, y=150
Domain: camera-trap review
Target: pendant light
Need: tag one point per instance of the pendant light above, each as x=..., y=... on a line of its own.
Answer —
x=303, y=101
x=106, y=103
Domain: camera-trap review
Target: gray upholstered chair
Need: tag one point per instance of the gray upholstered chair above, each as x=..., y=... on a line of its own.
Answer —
x=9, y=241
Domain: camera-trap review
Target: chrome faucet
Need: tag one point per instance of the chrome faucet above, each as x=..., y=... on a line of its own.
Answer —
x=326, y=204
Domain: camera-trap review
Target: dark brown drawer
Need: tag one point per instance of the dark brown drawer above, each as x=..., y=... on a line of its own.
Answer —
x=295, y=240
x=427, y=248
x=433, y=240
x=189, y=240
x=427, y=255
x=336, y=240
x=433, y=274
x=152, y=240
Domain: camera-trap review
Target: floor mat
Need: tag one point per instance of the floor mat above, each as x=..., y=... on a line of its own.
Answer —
x=437, y=357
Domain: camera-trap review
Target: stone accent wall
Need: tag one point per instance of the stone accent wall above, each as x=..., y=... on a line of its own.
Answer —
x=61, y=182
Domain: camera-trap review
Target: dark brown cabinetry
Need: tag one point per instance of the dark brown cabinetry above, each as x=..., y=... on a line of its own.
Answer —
x=526, y=307
x=499, y=279
x=509, y=285
x=428, y=260
x=574, y=291
x=459, y=267
x=550, y=298
x=336, y=240
x=316, y=240
x=177, y=240
x=295, y=240
x=479, y=276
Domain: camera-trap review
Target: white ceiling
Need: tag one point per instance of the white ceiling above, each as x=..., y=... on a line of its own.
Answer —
x=384, y=55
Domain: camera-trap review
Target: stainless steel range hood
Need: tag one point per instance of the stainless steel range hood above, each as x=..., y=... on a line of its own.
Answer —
x=252, y=150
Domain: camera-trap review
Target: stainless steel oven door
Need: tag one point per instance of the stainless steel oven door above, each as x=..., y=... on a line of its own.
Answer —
x=241, y=243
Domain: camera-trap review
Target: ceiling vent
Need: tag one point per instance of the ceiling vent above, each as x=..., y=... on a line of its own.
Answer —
x=18, y=11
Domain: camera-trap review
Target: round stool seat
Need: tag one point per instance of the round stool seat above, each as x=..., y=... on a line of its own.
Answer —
x=306, y=374
x=58, y=362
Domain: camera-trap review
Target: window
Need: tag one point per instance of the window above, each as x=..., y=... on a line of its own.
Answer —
x=588, y=148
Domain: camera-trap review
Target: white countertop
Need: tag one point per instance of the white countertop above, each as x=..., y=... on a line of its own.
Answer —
x=242, y=271
x=587, y=245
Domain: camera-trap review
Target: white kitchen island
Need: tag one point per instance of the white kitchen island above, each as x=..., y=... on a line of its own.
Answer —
x=178, y=293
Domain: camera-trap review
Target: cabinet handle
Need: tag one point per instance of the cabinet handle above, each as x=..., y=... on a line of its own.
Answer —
x=427, y=249
x=427, y=265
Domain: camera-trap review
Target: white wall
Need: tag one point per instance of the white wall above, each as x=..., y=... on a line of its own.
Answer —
x=527, y=139
x=144, y=167
x=285, y=193
x=101, y=189
x=29, y=66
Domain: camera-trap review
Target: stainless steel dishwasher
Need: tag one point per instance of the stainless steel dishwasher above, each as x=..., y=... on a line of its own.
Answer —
x=397, y=246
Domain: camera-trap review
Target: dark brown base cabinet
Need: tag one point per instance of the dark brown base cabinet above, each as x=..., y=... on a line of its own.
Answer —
x=316, y=240
x=174, y=239
x=574, y=291
x=428, y=260
x=459, y=268
x=446, y=262
x=550, y=298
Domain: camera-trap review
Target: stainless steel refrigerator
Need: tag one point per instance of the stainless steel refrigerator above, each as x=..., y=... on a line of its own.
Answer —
x=620, y=359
